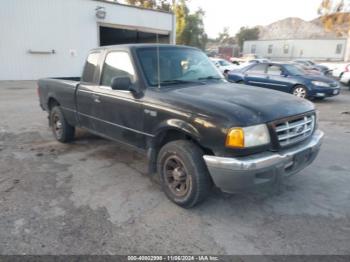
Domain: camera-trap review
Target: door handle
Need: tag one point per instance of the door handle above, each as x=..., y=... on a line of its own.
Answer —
x=96, y=98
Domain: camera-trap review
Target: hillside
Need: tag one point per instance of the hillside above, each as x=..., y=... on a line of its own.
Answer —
x=294, y=27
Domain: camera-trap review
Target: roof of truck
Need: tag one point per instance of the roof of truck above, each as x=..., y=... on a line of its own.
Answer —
x=132, y=46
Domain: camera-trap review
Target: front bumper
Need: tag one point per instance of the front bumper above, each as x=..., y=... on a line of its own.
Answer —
x=324, y=92
x=236, y=174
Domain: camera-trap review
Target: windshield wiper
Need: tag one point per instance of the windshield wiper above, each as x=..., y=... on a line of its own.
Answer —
x=211, y=78
x=179, y=81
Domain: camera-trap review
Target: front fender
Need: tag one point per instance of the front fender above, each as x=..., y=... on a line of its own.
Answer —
x=180, y=125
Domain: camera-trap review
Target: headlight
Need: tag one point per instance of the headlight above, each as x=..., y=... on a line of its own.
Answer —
x=251, y=136
x=322, y=84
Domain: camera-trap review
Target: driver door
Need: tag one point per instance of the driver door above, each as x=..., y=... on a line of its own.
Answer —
x=277, y=79
x=256, y=75
x=118, y=113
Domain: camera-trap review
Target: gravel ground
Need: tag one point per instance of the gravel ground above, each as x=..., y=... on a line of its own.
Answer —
x=94, y=197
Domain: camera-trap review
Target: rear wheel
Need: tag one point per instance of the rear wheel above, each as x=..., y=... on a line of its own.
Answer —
x=184, y=175
x=300, y=91
x=62, y=131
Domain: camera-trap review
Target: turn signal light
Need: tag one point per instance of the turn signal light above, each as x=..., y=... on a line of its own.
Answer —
x=235, y=138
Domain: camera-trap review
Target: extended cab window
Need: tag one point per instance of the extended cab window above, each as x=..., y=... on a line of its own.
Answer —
x=117, y=64
x=274, y=70
x=90, y=67
x=257, y=69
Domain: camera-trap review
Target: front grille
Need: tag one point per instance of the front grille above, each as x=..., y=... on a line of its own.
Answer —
x=296, y=130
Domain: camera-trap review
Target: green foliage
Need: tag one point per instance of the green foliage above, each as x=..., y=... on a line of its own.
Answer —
x=194, y=33
x=246, y=33
x=181, y=12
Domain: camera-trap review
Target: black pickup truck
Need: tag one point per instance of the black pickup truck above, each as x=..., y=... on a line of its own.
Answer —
x=197, y=130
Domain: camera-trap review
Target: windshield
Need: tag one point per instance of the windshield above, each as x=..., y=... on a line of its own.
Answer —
x=294, y=70
x=176, y=66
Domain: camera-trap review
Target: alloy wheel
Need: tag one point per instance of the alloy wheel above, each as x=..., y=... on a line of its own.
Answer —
x=300, y=92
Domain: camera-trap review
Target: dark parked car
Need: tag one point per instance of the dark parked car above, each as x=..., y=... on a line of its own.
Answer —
x=172, y=104
x=286, y=78
x=312, y=65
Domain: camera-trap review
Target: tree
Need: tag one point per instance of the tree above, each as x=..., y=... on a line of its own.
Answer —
x=335, y=17
x=189, y=27
x=164, y=5
x=334, y=14
x=181, y=12
x=194, y=33
x=246, y=33
x=225, y=38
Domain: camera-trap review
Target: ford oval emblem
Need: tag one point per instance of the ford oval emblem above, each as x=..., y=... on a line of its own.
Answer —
x=300, y=129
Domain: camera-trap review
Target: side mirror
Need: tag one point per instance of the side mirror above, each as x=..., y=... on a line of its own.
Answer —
x=121, y=83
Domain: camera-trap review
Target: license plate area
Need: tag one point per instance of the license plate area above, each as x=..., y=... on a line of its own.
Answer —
x=302, y=157
x=298, y=160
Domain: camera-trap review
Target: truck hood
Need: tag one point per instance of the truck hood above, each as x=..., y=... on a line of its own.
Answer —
x=240, y=104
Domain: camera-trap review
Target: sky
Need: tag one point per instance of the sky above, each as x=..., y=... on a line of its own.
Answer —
x=237, y=13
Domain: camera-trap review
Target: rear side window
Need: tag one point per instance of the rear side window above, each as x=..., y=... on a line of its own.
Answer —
x=117, y=64
x=257, y=69
x=274, y=70
x=90, y=67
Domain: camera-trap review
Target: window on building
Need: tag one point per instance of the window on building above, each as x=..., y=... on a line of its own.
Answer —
x=257, y=69
x=90, y=67
x=253, y=49
x=339, y=49
x=269, y=49
x=286, y=49
x=117, y=64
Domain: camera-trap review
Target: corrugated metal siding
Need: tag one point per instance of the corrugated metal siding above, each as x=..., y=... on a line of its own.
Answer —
x=67, y=26
x=317, y=49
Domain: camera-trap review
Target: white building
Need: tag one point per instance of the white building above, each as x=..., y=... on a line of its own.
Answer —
x=51, y=38
x=288, y=49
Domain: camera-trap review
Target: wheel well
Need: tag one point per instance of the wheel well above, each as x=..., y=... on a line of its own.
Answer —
x=52, y=102
x=294, y=86
x=174, y=134
x=166, y=137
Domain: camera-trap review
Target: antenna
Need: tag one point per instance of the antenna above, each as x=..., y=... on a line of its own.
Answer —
x=158, y=61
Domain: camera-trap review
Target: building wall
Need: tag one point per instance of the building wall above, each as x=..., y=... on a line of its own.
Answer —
x=316, y=49
x=69, y=27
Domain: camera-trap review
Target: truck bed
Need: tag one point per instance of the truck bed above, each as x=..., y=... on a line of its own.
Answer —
x=62, y=89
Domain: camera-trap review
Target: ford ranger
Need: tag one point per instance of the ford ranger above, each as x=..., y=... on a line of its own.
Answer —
x=197, y=129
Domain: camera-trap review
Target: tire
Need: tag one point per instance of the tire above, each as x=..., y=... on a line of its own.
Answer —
x=300, y=91
x=62, y=131
x=183, y=173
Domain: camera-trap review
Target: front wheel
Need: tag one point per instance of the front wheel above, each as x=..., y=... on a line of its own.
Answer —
x=300, y=91
x=184, y=175
x=62, y=131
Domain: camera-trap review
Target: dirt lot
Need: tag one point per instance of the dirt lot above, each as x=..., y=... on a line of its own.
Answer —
x=94, y=197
